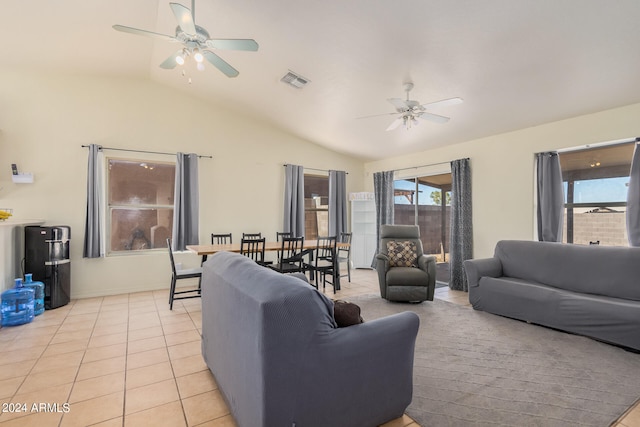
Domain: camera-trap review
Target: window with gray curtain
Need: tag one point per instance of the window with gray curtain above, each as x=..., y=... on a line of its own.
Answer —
x=461, y=246
x=550, y=197
x=633, y=200
x=294, y=200
x=383, y=194
x=93, y=238
x=186, y=202
x=337, y=203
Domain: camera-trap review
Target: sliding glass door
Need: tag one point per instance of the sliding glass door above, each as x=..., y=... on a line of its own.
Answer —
x=426, y=202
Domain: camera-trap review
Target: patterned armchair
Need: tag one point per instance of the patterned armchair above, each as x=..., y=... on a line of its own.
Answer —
x=404, y=272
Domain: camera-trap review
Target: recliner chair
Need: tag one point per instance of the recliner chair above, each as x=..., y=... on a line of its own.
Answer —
x=404, y=273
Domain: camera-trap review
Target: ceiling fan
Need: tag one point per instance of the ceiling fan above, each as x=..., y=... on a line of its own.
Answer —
x=408, y=111
x=195, y=42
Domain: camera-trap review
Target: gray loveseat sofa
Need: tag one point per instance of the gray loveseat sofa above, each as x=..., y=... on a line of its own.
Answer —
x=279, y=359
x=587, y=290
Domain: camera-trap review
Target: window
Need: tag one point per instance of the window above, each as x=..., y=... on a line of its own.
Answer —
x=316, y=206
x=140, y=204
x=426, y=201
x=595, y=187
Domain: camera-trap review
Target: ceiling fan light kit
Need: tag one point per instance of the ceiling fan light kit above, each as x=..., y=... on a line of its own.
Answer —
x=409, y=111
x=195, y=42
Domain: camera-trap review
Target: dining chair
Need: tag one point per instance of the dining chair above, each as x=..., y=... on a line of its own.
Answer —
x=323, y=262
x=344, y=253
x=281, y=234
x=221, y=239
x=254, y=249
x=246, y=236
x=290, y=257
x=176, y=275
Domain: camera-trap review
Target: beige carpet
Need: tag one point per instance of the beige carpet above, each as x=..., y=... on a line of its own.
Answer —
x=477, y=369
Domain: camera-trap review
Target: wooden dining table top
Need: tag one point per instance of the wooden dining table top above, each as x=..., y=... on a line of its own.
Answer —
x=235, y=247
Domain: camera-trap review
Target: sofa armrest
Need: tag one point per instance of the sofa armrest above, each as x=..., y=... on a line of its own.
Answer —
x=477, y=268
x=384, y=259
x=428, y=263
x=363, y=372
x=382, y=266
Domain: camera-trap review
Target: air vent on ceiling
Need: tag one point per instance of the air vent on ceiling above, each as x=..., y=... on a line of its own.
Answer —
x=295, y=80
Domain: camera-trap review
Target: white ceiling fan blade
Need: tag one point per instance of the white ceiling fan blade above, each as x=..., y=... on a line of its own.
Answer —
x=397, y=122
x=184, y=17
x=233, y=44
x=377, y=115
x=443, y=103
x=432, y=117
x=220, y=64
x=146, y=33
x=170, y=63
x=400, y=104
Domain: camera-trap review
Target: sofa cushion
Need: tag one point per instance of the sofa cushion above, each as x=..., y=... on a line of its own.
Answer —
x=595, y=269
x=346, y=313
x=407, y=276
x=402, y=253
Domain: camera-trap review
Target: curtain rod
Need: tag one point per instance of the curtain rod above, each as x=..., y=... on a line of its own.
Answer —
x=312, y=169
x=100, y=147
x=424, y=166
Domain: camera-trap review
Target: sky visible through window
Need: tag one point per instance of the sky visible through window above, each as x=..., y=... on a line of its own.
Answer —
x=424, y=192
x=599, y=190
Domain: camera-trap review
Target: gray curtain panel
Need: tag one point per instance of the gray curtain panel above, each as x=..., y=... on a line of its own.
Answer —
x=550, y=197
x=186, y=202
x=93, y=219
x=337, y=203
x=633, y=200
x=461, y=245
x=294, y=200
x=383, y=194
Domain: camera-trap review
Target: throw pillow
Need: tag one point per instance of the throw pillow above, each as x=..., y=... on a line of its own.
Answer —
x=402, y=254
x=346, y=313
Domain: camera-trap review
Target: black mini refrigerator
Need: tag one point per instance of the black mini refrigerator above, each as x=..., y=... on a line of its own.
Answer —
x=47, y=258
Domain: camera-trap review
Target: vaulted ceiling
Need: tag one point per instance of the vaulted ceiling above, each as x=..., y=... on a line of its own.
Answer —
x=516, y=64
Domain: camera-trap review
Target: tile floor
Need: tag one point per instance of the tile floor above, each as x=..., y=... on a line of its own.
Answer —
x=126, y=360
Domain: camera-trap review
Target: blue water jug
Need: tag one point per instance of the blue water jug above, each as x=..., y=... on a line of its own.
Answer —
x=17, y=305
x=38, y=297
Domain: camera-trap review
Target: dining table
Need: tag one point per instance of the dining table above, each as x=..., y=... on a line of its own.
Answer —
x=308, y=246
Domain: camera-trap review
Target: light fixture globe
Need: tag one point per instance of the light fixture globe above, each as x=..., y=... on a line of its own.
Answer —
x=197, y=55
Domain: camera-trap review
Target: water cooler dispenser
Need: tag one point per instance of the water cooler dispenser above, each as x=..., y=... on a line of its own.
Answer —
x=47, y=258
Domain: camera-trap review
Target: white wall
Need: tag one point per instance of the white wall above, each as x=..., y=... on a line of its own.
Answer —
x=44, y=120
x=502, y=168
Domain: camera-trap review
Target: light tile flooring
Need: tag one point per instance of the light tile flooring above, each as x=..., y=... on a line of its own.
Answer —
x=126, y=360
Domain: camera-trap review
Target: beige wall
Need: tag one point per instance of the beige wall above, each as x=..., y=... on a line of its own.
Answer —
x=44, y=120
x=503, y=168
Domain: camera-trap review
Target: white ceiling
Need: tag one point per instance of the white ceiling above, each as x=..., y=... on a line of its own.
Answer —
x=516, y=63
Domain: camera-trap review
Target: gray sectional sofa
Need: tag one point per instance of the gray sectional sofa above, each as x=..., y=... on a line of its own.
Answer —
x=279, y=358
x=587, y=290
